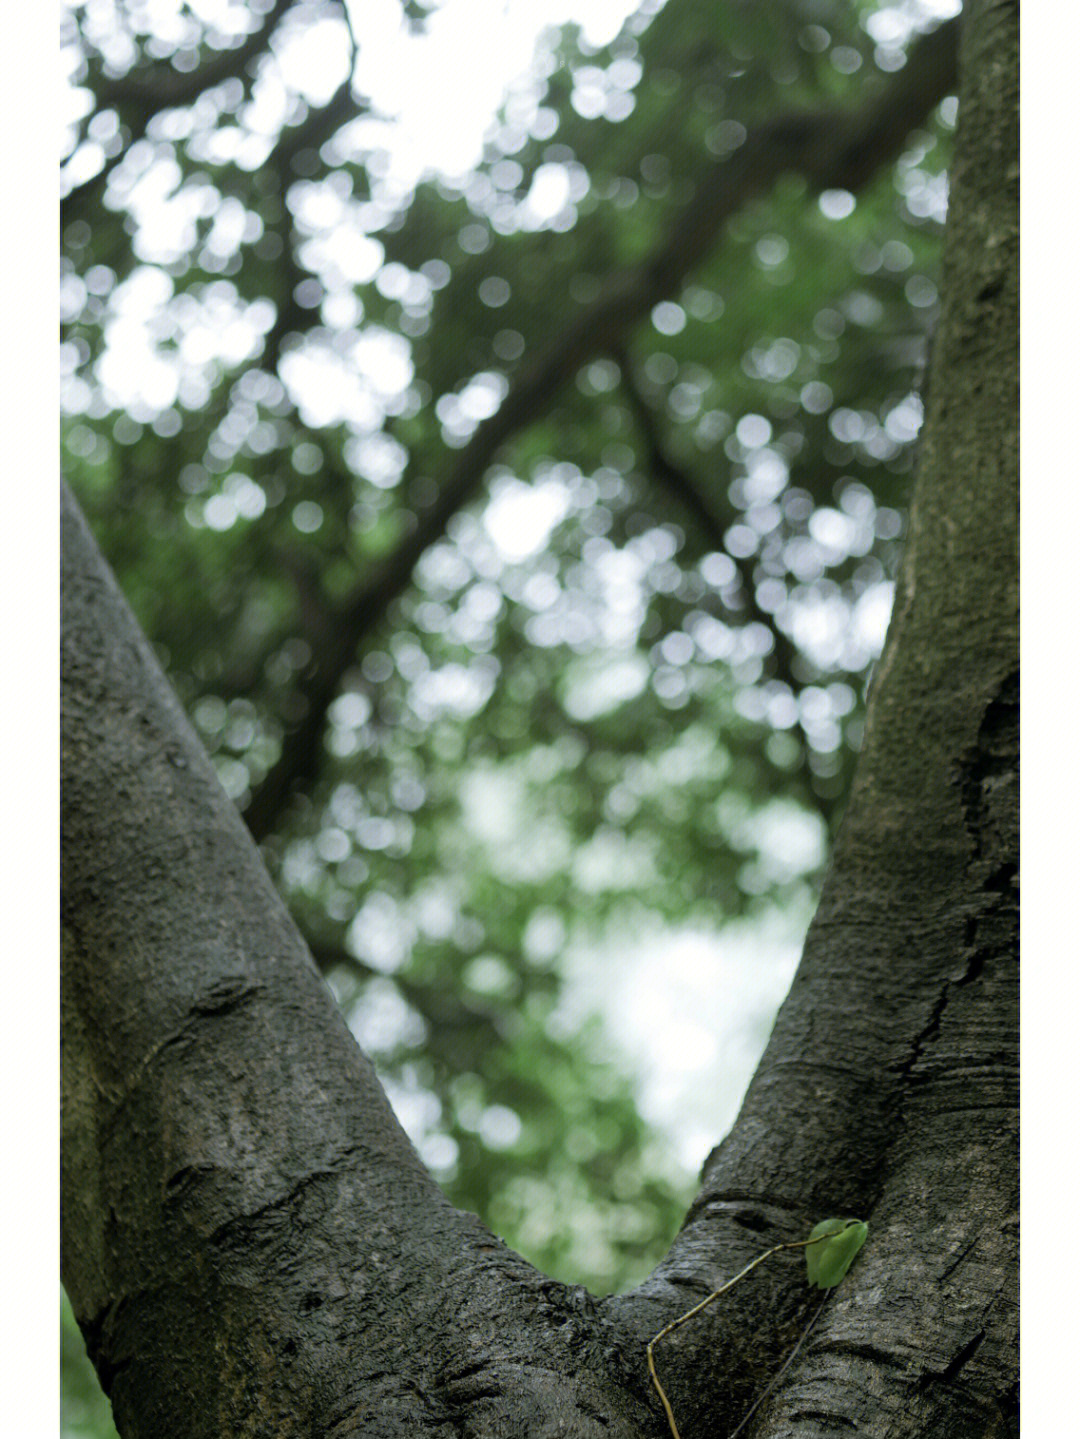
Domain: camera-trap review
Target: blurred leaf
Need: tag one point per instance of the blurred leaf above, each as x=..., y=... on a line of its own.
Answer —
x=85, y=1412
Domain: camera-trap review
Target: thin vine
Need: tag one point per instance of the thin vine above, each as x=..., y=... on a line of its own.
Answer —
x=840, y=1241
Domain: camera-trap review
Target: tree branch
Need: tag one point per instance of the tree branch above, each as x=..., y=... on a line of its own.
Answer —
x=691, y=495
x=832, y=149
x=160, y=86
x=147, y=91
x=899, y=1032
x=249, y=1237
x=688, y=491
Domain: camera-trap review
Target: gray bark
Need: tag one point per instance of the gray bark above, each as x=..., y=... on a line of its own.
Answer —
x=253, y=1248
x=889, y=1086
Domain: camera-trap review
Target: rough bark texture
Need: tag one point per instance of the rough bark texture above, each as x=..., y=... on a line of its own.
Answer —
x=889, y=1086
x=252, y=1246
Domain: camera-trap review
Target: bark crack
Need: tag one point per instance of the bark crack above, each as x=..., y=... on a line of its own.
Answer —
x=824, y=1416
x=987, y=796
x=928, y=1033
x=988, y=775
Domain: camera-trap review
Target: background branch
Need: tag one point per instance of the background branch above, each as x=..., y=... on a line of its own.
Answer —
x=143, y=94
x=831, y=148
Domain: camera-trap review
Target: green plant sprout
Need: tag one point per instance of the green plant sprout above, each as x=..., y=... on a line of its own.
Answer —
x=830, y=1251
x=832, y=1246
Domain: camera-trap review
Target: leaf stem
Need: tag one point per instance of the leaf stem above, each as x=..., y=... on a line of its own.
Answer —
x=677, y=1323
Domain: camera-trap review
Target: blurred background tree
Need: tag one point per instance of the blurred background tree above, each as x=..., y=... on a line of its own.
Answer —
x=514, y=502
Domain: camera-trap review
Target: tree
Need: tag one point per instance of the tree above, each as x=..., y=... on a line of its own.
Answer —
x=252, y=1245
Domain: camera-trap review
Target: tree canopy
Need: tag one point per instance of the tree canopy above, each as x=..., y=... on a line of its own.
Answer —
x=520, y=541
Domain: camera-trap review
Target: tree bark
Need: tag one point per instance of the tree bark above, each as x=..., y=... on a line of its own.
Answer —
x=253, y=1248
x=889, y=1086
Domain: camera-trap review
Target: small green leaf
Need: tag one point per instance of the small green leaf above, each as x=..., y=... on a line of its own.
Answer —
x=831, y=1257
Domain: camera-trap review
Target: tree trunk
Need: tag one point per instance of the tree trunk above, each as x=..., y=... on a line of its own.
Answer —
x=252, y=1246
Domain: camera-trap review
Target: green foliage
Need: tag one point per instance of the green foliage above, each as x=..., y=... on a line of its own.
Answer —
x=85, y=1412
x=543, y=726
x=828, y=1260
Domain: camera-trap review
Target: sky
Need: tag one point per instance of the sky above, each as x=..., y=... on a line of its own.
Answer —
x=418, y=78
